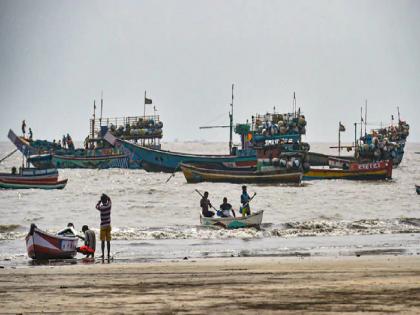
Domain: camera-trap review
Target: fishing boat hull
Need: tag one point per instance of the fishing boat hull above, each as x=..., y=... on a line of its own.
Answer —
x=43, y=245
x=369, y=171
x=154, y=160
x=194, y=174
x=253, y=220
x=4, y=184
x=91, y=162
x=29, y=175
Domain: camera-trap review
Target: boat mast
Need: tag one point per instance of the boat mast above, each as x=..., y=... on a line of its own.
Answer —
x=361, y=121
x=102, y=104
x=231, y=124
x=339, y=138
x=93, y=120
x=365, y=118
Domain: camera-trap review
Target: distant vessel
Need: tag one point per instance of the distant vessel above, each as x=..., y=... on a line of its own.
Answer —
x=379, y=144
x=51, y=156
x=369, y=171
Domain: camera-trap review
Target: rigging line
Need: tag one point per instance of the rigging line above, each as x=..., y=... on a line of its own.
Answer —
x=215, y=119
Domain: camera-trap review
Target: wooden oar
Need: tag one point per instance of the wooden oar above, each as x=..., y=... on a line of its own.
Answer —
x=198, y=192
x=9, y=155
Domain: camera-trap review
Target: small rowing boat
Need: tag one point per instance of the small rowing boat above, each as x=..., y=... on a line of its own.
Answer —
x=28, y=178
x=369, y=171
x=44, y=245
x=253, y=220
x=418, y=189
x=196, y=174
x=33, y=185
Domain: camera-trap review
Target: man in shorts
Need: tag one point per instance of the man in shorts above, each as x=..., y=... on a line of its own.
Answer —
x=104, y=206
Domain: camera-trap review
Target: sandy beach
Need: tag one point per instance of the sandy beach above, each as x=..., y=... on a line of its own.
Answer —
x=233, y=285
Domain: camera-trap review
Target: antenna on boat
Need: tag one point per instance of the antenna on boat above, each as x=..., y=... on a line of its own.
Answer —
x=365, y=117
x=294, y=104
x=398, y=109
x=102, y=104
x=231, y=123
x=361, y=121
x=93, y=120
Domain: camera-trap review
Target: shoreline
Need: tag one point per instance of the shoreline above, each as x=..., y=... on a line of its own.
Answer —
x=234, y=285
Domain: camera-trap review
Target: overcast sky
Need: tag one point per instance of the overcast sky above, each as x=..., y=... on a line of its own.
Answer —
x=57, y=56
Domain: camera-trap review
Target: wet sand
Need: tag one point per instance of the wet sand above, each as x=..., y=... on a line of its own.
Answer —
x=233, y=285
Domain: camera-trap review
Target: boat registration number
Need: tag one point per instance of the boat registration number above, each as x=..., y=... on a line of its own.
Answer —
x=68, y=245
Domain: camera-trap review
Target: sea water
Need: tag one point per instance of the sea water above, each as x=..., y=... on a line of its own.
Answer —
x=156, y=219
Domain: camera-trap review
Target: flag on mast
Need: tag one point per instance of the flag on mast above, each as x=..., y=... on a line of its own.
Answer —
x=341, y=127
x=147, y=100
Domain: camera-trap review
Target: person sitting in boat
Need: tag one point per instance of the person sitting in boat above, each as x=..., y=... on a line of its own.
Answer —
x=245, y=198
x=69, y=231
x=89, y=246
x=226, y=209
x=205, y=204
x=30, y=134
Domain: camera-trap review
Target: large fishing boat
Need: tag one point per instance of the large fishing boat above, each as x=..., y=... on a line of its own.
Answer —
x=45, y=154
x=380, y=144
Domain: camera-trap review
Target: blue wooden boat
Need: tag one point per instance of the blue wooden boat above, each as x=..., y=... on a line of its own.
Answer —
x=99, y=158
x=154, y=160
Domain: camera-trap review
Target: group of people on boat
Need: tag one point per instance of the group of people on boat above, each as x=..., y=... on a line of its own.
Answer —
x=225, y=209
x=30, y=134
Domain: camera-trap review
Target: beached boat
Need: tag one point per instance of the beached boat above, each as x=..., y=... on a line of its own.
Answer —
x=196, y=174
x=154, y=160
x=43, y=245
x=369, y=171
x=253, y=220
x=418, y=189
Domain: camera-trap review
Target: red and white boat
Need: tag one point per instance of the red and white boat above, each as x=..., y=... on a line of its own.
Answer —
x=43, y=245
x=32, y=178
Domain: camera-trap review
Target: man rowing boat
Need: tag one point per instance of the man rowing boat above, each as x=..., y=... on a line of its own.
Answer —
x=205, y=204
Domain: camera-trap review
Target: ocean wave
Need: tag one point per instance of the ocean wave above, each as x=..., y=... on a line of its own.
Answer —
x=288, y=229
x=5, y=228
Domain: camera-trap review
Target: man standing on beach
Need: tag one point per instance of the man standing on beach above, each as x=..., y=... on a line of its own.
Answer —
x=104, y=206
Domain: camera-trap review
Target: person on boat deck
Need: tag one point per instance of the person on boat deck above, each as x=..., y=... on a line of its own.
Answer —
x=70, y=143
x=205, y=204
x=69, y=231
x=14, y=170
x=226, y=209
x=89, y=247
x=64, y=142
x=86, y=142
x=30, y=134
x=59, y=144
x=104, y=206
x=245, y=198
x=23, y=128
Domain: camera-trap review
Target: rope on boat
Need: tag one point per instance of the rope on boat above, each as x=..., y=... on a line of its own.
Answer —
x=9, y=155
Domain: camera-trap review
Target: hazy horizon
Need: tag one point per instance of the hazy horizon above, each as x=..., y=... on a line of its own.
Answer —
x=57, y=57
